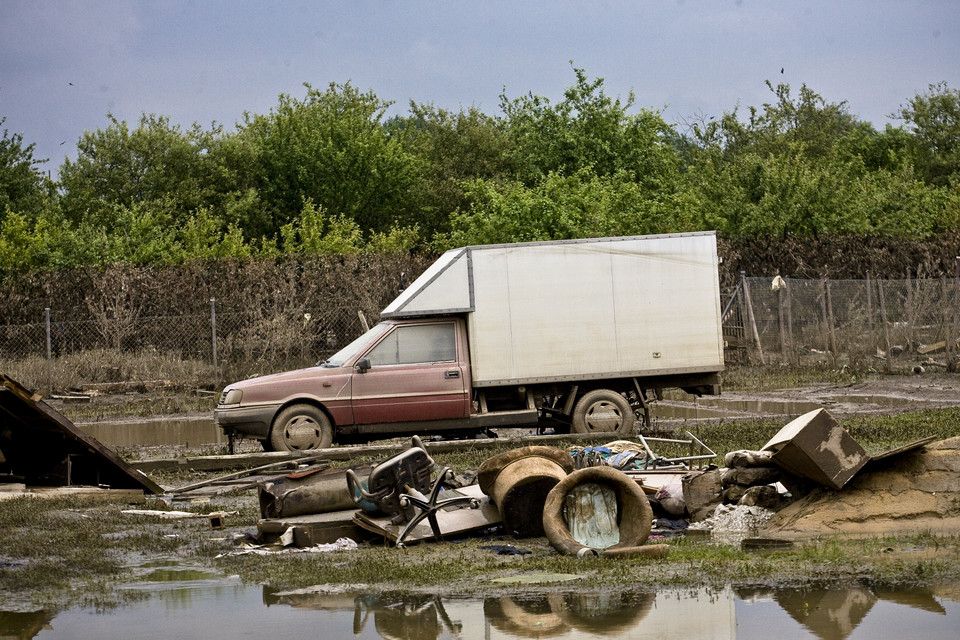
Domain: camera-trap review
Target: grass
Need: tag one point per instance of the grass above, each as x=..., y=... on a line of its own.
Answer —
x=464, y=567
x=62, y=552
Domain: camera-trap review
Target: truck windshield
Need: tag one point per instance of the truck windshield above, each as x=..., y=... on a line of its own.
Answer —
x=342, y=356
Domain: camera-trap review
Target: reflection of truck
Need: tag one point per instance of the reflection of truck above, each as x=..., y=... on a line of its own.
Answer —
x=572, y=334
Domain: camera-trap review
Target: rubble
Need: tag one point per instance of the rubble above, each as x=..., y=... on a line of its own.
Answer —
x=734, y=518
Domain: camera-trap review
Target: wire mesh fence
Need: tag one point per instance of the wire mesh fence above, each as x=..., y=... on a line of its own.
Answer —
x=204, y=351
x=875, y=323
x=880, y=323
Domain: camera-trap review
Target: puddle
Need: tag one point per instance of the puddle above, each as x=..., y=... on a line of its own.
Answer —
x=727, y=407
x=236, y=611
x=186, y=432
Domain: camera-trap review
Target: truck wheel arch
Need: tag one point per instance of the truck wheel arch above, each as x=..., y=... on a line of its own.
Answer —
x=300, y=426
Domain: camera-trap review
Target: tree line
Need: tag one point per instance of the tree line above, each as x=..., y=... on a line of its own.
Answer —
x=330, y=173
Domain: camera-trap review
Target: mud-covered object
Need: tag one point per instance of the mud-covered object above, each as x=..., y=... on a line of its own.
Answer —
x=314, y=491
x=750, y=476
x=733, y=493
x=702, y=493
x=747, y=458
x=765, y=496
x=633, y=515
x=518, y=482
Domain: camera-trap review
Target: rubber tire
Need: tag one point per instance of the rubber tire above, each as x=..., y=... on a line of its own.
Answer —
x=301, y=427
x=600, y=409
x=635, y=518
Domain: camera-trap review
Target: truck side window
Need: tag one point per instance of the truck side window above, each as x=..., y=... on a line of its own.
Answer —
x=416, y=344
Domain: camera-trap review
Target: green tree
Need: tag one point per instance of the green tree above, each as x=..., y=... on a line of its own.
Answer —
x=330, y=148
x=588, y=129
x=155, y=163
x=583, y=205
x=452, y=149
x=23, y=187
x=934, y=121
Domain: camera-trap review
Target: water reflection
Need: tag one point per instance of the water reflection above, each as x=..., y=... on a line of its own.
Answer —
x=239, y=612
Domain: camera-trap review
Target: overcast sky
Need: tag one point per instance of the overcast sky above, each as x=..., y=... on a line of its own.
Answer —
x=65, y=64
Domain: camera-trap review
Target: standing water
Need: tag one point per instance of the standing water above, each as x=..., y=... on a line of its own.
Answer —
x=205, y=608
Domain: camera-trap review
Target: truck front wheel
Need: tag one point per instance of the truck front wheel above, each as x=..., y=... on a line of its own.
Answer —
x=602, y=411
x=299, y=428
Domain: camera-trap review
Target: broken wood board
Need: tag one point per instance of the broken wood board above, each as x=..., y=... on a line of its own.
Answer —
x=129, y=496
x=313, y=529
x=41, y=447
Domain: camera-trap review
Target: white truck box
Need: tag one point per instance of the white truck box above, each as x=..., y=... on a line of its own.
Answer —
x=637, y=306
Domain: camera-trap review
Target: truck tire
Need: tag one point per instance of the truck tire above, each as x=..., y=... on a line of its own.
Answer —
x=602, y=411
x=301, y=427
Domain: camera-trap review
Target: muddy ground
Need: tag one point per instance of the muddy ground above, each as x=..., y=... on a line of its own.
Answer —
x=919, y=494
x=882, y=395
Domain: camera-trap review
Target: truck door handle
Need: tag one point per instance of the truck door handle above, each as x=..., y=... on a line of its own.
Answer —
x=451, y=374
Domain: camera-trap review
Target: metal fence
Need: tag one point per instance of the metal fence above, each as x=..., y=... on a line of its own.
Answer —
x=878, y=323
x=204, y=351
x=875, y=323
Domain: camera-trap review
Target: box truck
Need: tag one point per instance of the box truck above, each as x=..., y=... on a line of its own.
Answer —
x=570, y=335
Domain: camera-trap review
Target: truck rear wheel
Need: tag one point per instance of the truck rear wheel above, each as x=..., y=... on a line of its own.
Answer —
x=299, y=428
x=602, y=411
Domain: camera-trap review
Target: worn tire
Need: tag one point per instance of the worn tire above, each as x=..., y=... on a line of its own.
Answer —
x=301, y=427
x=603, y=411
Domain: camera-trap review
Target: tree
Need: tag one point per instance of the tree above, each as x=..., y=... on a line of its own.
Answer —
x=155, y=164
x=23, y=188
x=934, y=121
x=330, y=149
x=587, y=129
x=560, y=207
x=453, y=149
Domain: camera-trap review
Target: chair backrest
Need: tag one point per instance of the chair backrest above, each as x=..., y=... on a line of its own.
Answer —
x=397, y=474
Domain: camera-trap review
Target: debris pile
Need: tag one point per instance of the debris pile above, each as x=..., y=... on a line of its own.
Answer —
x=916, y=490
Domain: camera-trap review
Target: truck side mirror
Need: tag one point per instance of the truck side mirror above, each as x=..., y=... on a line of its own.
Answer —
x=363, y=365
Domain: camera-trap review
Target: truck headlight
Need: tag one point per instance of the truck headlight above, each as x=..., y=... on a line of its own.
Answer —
x=231, y=396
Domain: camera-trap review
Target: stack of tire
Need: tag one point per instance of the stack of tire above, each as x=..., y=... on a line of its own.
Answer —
x=748, y=479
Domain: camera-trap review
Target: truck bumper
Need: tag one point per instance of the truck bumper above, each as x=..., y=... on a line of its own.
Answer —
x=248, y=422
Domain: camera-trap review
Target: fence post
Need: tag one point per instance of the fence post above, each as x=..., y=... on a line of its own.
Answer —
x=46, y=313
x=750, y=316
x=782, y=318
x=883, y=322
x=910, y=312
x=831, y=332
x=213, y=328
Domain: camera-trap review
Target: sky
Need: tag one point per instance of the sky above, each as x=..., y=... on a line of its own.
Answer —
x=66, y=64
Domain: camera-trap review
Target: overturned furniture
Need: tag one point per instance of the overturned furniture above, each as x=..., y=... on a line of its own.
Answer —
x=815, y=447
x=401, y=488
x=40, y=447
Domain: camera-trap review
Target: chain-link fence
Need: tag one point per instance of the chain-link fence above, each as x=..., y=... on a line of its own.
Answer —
x=883, y=324
x=203, y=351
x=875, y=323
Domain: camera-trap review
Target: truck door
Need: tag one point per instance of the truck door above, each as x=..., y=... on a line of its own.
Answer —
x=415, y=375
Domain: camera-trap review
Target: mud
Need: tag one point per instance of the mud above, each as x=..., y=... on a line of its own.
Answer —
x=917, y=492
x=884, y=395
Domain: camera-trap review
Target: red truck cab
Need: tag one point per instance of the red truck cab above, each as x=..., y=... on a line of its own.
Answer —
x=401, y=376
